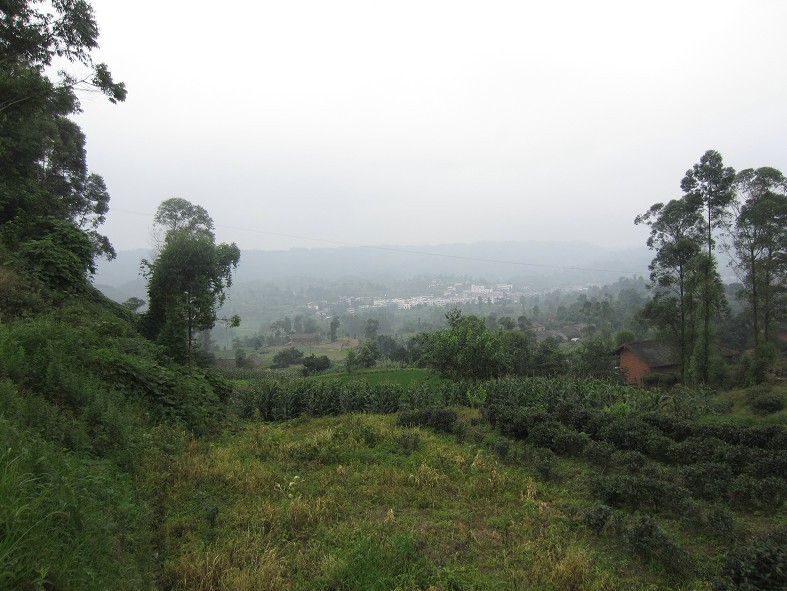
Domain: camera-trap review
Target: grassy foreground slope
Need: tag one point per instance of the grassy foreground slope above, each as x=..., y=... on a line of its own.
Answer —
x=355, y=502
x=580, y=485
x=90, y=414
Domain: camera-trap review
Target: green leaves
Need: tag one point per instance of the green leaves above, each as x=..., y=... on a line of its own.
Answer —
x=42, y=153
x=188, y=279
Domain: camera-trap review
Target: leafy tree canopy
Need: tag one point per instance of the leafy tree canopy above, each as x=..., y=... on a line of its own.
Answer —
x=187, y=283
x=45, y=185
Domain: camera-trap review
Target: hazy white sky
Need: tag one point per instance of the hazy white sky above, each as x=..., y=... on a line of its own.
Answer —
x=424, y=122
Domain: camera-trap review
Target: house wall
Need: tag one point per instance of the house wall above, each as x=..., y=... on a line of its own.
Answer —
x=633, y=366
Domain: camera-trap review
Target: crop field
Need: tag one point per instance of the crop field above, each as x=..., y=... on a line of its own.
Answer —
x=515, y=484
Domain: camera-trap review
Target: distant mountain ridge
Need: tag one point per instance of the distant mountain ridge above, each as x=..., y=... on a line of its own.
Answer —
x=553, y=262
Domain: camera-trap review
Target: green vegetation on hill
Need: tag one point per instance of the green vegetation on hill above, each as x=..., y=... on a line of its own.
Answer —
x=85, y=404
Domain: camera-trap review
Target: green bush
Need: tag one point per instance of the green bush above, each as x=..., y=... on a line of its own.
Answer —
x=546, y=464
x=772, y=437
x=545, y=434
x=501, y=446
x=647, y=540
x=660, y=379
x=758, y=565
x=738, y=457
x=628, y=433
x=599, y=453
x=707, y=480
x=596, y=517
x=313, y=365
x=765, y=495
x=767, y=403
x=630, y=461
x=516, y=422
x=764, y=463
x=437, y=417
x=719, y=522
x=409, y=442
x=638, y=492
x=370, y=436
x=571, y=443
x=695, y=450
x=287, y=357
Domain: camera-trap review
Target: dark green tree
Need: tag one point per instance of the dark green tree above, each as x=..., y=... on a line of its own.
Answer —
x=387, y=346
x=708, y=188
x=758, y=237
x=371, y=328
x=675, y=237
x=594, y=358
x=177, y=214
x=506, y=323
x=134, y=303
x=287, y=357
x=335, y=322
x=313, y=364
x=466, y=350
x=310, y=325
x=518, y=351
x=367, y=354
x=548, y=360
x=187, y=282
x=624, y=335
x=50, y=205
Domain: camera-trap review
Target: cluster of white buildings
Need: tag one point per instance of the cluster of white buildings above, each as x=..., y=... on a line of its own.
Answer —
x=455, y=294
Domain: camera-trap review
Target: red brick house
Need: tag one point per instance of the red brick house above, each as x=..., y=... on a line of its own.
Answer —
x=640, y=358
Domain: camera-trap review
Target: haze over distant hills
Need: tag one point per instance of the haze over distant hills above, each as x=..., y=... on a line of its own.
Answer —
x=535, y=263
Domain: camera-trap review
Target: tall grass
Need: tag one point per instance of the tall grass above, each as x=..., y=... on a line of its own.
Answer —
x=68, y=523
x=346, y=502
x=85, y=405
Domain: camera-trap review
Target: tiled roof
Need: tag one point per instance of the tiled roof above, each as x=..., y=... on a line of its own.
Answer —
x=655, y=352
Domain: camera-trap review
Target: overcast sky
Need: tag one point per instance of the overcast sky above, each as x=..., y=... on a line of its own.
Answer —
x=425, y=122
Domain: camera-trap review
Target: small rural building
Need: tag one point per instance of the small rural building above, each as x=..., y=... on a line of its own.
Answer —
x=640, y=358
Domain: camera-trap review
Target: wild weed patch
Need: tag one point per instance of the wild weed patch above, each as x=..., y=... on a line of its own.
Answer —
x=393, y=507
